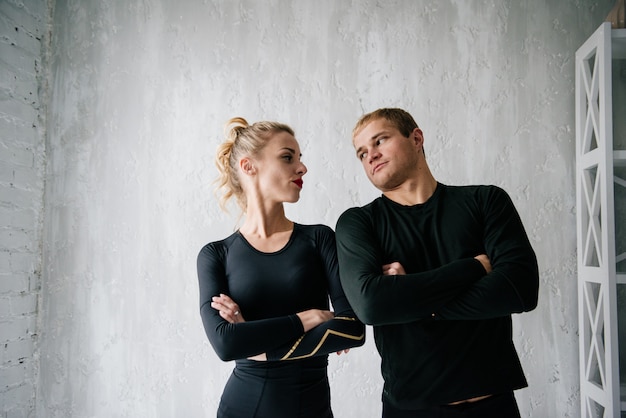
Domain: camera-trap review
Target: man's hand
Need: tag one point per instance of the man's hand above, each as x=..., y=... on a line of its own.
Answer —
x=484, y=260
x=392, y=269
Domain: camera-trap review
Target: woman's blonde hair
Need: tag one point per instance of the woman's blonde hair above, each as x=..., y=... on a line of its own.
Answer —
x=242, y=140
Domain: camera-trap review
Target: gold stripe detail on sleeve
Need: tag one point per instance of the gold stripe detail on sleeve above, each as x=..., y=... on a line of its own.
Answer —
x=322, y=340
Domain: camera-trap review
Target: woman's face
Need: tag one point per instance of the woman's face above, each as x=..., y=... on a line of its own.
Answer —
x=279, y=169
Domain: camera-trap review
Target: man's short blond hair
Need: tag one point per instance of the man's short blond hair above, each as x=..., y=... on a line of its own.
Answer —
x=400, y=118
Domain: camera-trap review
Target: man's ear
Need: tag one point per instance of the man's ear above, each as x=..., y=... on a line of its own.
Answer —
x=246, y=166
x=418, y=137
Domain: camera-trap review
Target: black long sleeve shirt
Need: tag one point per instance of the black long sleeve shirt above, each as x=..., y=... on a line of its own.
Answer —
x=270, y=288
x=444, y=329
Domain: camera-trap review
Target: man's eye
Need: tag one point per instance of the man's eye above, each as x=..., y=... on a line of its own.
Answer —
x=380, y=141
x=362, y=155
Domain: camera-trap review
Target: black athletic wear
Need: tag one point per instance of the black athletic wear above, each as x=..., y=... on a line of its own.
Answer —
x=270, y=288
x=443, y=330
x=498, y=406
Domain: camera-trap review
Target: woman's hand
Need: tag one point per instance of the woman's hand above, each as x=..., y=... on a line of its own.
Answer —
x=229, y=310
x=393, y=269
x=313, y=317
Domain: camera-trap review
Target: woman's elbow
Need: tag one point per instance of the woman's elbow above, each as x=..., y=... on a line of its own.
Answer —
x=361, y=341
x=224, y=349
x=224, y=352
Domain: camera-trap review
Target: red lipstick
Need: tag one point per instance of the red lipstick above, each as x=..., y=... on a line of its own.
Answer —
x=298, y=182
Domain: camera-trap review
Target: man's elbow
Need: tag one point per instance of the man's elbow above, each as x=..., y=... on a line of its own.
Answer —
x=370, y=314
x=366, y=302
x=532, y=301
x=531, y=298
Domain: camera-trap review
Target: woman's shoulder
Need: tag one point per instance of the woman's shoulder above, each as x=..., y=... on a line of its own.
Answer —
x=219, y=247
x=314, y=229
x=317, y=234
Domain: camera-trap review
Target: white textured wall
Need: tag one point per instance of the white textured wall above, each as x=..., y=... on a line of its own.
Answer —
x=23, y=38
x=139, y=94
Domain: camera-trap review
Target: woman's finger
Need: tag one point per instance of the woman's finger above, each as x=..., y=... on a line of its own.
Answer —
x=227, y=317
x=228, y=309
x=217, y=306
x=229, y=303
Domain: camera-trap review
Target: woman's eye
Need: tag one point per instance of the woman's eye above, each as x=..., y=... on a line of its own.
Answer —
x=287, y=157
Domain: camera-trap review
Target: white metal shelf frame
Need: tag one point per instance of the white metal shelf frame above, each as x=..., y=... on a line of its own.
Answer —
x=619, y=160
x=597, y=258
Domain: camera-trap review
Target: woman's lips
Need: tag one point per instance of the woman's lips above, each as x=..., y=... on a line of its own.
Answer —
x=298, y=182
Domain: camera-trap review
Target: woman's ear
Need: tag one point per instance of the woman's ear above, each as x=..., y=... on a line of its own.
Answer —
x=246, y=166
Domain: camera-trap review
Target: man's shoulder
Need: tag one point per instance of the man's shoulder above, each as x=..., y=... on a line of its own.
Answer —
x=359, y=213
x=478, y=196
x=368, y=208
x=484, y=190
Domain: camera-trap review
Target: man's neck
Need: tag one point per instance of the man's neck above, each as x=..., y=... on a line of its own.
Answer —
x=413, y=192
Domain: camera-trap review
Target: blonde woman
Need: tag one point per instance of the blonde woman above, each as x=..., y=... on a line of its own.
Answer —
x=265, y=289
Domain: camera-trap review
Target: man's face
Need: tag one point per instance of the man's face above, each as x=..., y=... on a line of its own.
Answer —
x=388, y=157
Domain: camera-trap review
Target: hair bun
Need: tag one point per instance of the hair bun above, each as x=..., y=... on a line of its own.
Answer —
x=234, y=127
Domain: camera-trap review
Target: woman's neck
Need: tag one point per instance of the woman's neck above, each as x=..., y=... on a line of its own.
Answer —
x=263, y=223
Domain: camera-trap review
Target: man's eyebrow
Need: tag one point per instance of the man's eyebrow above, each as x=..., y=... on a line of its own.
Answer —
x=383, y=132
x=372, y=139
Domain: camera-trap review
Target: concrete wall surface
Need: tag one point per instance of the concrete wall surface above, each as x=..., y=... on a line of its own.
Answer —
x=137, y=96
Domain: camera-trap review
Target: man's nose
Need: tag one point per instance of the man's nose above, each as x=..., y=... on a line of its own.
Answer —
x=373, y=155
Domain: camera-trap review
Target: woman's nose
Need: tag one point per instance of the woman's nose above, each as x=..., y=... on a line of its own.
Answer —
x=302, y=169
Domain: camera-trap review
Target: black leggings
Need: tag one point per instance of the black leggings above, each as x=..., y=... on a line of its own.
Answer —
x=496, y=406
x=286, y=389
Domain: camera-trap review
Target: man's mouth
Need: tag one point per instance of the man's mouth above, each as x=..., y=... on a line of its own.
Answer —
x=377, y=167
x=298, y=182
